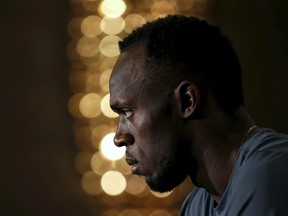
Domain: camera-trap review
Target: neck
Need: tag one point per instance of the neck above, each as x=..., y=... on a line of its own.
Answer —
x=222, y=140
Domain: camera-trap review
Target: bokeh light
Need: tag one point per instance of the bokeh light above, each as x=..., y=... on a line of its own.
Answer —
x=135, y=185
x=88, y=46
x=98, y=132
x=113, y=8
x=90, y=105
x=91, y=183
x=90, y=26
x=163, y=7
x=99, y=164
x=92, y=82
x=112, y=26
x=73, y=105
x=109, y=46
x=122, y=166
x=109, y=150
x=105, y=107
x=161, y=195
x=160, y=212
x=130, y=212
x=104, y=80
x=133, y=21
x=113, y=183
x=107, y=63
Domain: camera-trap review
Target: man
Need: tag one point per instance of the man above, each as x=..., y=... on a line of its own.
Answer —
x=177, y=88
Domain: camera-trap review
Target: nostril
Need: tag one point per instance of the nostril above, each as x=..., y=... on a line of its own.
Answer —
x=123, y=140
x=119, y=142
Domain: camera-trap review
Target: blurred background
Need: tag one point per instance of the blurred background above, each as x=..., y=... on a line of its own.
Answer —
x=56, y=127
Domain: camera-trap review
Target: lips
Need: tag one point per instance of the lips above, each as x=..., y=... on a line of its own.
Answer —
x=133, y=163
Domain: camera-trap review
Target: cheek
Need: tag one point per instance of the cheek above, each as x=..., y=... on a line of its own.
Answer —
x=159, y=145
x=155, y=135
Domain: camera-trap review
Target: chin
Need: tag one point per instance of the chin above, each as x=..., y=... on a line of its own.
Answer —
x=158, y=187
x=164, y=183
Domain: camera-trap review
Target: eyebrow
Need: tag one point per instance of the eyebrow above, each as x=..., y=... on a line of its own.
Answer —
x=119, y=105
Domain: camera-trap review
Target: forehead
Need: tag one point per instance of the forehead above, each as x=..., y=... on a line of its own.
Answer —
x=130, y=64
x=129, y=71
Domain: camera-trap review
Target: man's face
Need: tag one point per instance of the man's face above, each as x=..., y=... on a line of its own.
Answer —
x=147, y=125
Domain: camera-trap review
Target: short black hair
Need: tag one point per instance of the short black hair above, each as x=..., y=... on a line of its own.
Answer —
x=189, y=45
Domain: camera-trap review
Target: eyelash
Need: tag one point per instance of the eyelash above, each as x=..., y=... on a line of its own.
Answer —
x=127, y=113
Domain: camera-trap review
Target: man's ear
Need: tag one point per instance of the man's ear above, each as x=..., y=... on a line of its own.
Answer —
x=188, y=99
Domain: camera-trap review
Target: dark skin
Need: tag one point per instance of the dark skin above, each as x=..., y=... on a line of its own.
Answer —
x=164, y=140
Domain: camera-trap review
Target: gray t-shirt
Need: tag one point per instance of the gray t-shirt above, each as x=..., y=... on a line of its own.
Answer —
x=258, y=185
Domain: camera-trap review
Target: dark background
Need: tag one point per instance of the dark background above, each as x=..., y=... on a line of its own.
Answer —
x=37, y=147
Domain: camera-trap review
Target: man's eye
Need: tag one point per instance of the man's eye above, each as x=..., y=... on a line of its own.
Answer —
x=124, y=112
x=128, y=113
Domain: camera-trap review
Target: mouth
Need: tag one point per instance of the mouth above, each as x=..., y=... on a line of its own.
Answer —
x=133, y=163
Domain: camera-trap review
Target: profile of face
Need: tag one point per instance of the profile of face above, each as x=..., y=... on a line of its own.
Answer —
x=148, y=125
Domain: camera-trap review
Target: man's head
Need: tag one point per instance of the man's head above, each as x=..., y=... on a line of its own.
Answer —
x=156, y=86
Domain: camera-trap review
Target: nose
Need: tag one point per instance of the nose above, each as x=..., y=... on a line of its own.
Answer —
x=123, y=139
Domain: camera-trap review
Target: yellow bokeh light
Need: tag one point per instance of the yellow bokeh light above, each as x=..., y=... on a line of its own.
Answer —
x=107, y=63
x=113, y=183
x=109, y=150
x=160, y=212
x=130, y=212
x=112, y=26
x=105, y=107
x=109, y=46
x=161, y=195
x=113, y=8
x=100, y=165
x=90, y=105
x=88, y=46
x=104, y=80
x=92, y=82
x=122, y=166
x=135, y=185
x=133, y=21
x=73, y=105
x=163, y=8
x=90, y=26
x=98, y=132
x=91, y=184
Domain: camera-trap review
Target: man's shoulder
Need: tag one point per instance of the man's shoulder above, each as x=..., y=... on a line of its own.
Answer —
x=266, y=150
x=198, y=202
x=259, y=184
x=266, y=139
